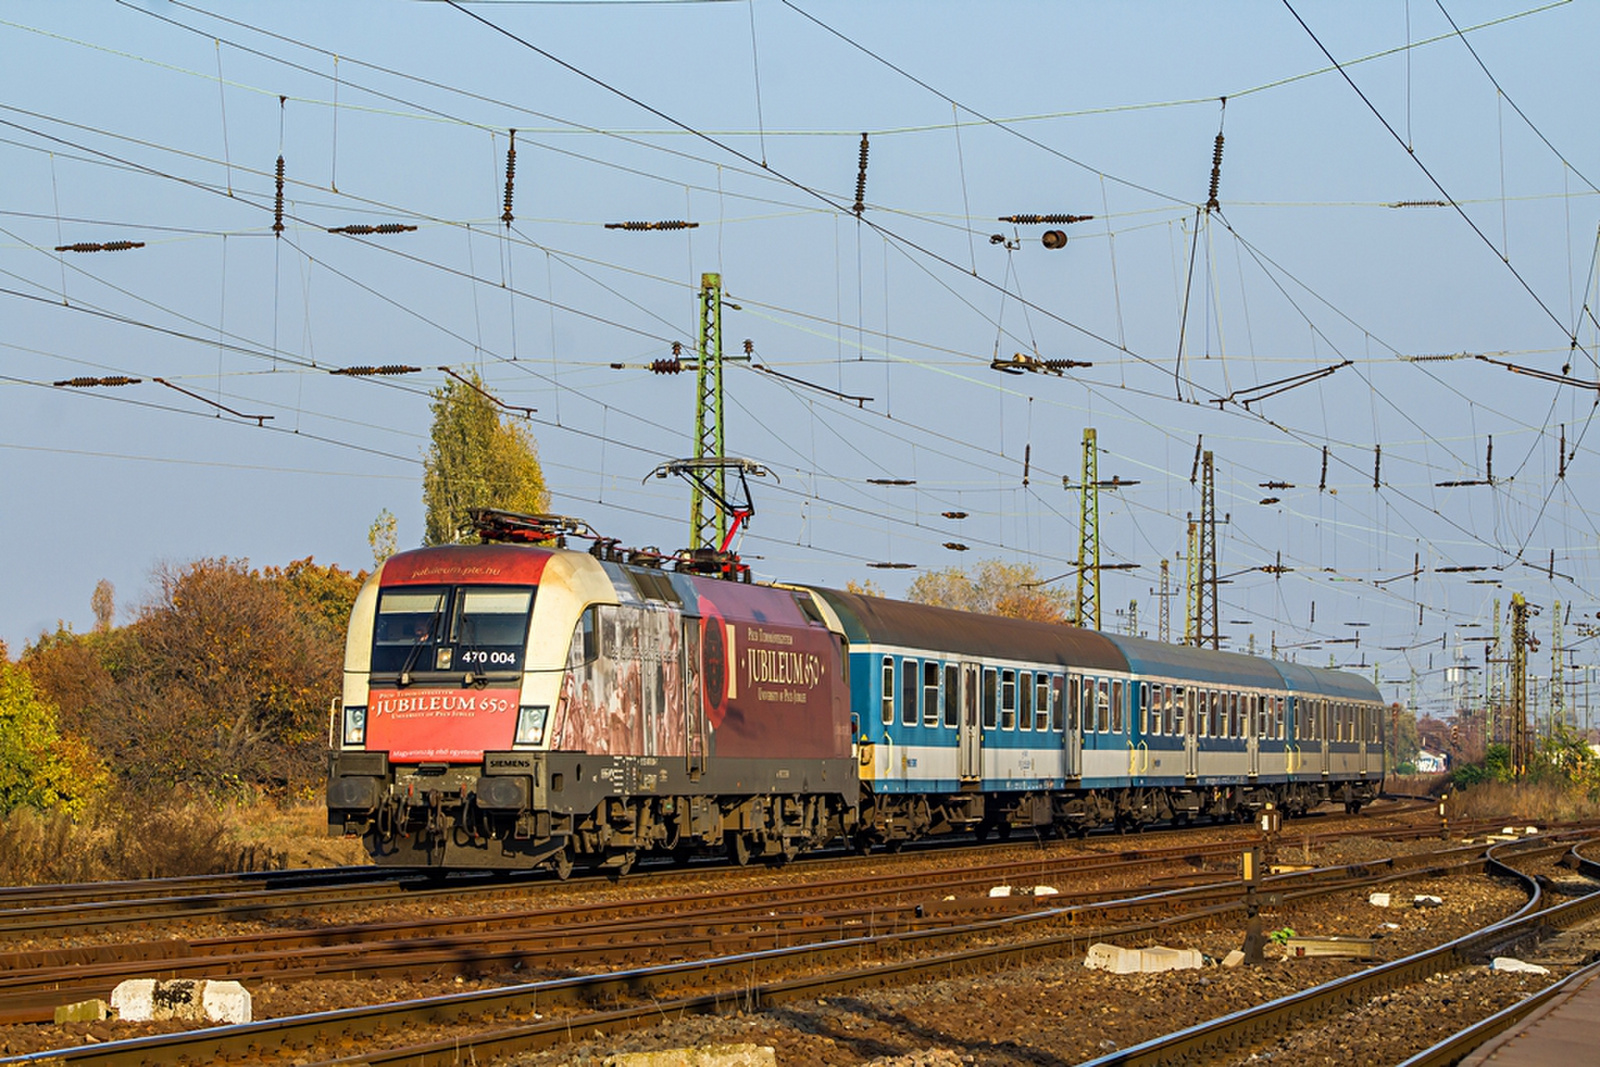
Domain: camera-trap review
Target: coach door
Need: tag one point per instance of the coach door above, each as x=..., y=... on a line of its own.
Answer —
x=969, y=746
x=1363, y=716
x=1253, y=731
x=1191, y=747
x=1072, y=736
x=694, y=705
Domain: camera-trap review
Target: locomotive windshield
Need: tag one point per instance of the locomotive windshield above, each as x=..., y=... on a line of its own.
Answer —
x=435, y=630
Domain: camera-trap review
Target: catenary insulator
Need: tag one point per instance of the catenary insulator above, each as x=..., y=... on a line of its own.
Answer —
x=1054, y=220
x=511, y=175
x=666, y=366
x=114, y=379
x=1216, y=174
x=97, y=246
x=277, y=204
x=861, y=179
x=358, y=229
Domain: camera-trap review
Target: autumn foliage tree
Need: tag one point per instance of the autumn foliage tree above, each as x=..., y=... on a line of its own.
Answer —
x=40, y=767
x=999, y=588
x=222, y=681
x=476, y=459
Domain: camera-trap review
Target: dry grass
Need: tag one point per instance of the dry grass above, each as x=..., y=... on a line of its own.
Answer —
x=1528, y=802
x=183, y=836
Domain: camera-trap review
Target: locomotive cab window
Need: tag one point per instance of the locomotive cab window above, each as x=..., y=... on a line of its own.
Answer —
x=490, y=627
x=469, y=628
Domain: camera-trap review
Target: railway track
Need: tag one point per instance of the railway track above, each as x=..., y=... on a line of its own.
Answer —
x=925, y=946
x=48, y=911
x=1240, y=1029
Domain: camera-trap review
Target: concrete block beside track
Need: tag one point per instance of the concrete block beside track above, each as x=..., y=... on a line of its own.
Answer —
x=1119, y=960
x=84, y=1011
x=187, y=1000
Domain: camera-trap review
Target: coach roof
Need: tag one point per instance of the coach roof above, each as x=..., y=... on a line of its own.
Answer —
x=871, y=620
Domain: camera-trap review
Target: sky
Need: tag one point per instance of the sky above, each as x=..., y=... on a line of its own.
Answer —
x=1394, y=289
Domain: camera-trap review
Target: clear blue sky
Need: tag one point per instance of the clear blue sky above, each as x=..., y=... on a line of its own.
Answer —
x=161, y=122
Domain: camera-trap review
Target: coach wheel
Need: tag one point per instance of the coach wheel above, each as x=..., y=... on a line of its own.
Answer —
x=738, y=848
x=622, y=862
x=894, y=845
x=561, y=863
x=681, y=854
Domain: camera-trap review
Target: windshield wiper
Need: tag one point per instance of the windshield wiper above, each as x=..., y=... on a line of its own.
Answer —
x=422, y=639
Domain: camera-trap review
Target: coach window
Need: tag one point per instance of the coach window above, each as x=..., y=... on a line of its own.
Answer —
x=952, y=693
x=1277, y=711
x=1116, y=706
x=1075, y=700
x=1058, y=703
x=1008, y=699
x=1102, y=705
x=908, y=692
x=1235, y=715
x=1202, y=712
x=1041, y=701
x=1141, y=714
x=888, y=690
x=930, y=693
x=1172, y=717
x=991, y=699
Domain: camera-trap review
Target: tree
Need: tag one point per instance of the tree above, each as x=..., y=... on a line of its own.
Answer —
x=1000, y=588
x=103, y=601
x=382, y=536
x=39, y=766
x=476, y=459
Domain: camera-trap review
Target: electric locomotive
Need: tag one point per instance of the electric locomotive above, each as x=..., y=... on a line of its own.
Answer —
x=519, y=704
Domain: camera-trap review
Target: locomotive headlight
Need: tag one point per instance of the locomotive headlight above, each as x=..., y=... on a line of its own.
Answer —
x=355, y=726
x=530, y=723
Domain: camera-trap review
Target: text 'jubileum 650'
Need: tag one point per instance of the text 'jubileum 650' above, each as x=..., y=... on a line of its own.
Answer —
x=435, y=703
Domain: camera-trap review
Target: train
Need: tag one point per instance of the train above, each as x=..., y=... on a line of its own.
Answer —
x=519, y=704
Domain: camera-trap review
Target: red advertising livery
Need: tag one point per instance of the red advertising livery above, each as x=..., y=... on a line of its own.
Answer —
x=512, y=705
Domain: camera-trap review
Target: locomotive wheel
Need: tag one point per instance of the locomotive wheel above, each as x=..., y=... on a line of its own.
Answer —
x=738, y=848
